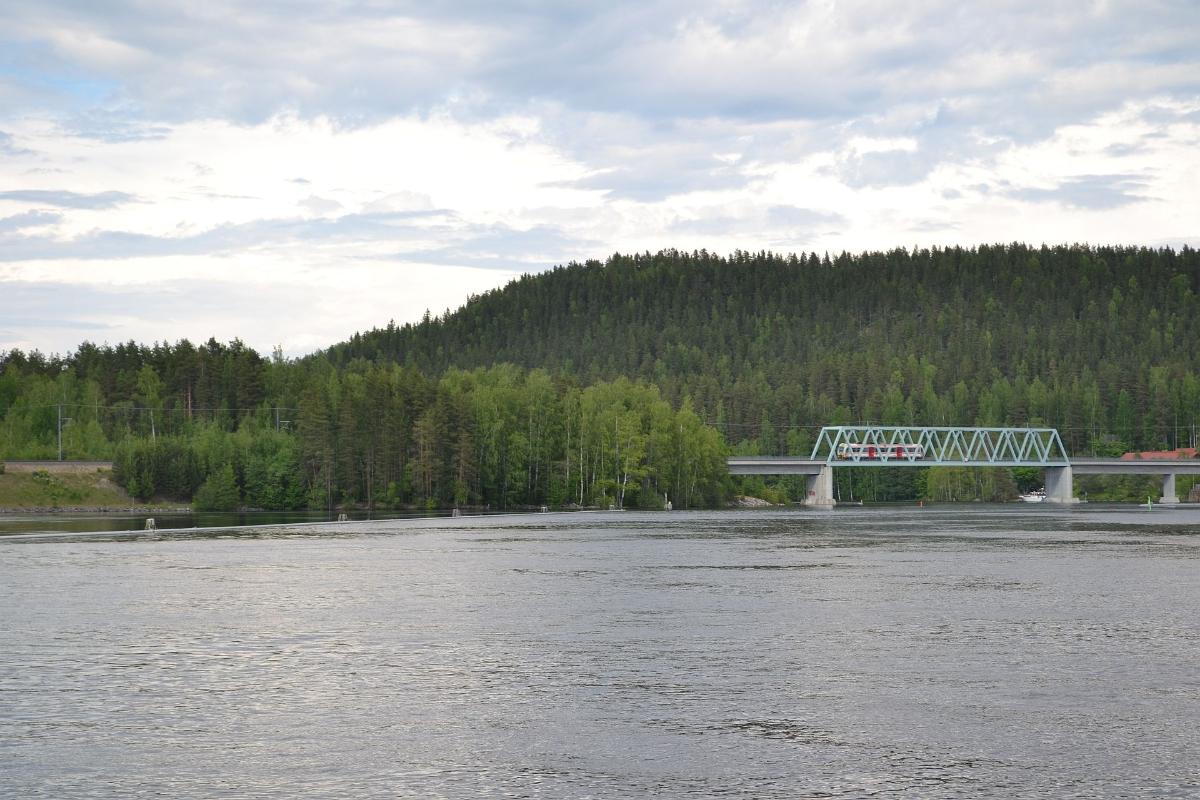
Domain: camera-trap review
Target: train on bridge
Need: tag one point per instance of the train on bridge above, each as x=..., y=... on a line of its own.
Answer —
x=856, y=450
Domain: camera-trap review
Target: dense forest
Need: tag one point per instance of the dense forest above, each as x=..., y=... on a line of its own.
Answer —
x=624, y=381
x=1101, y=342
x=220, y=424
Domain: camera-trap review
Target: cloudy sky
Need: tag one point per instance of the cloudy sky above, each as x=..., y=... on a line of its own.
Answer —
x=289, y=173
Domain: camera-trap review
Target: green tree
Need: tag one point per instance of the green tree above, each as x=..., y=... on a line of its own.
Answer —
x=219, y=492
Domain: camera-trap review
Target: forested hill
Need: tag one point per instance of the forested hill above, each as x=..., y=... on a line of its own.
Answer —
x=614, y=369
x=1103, y=342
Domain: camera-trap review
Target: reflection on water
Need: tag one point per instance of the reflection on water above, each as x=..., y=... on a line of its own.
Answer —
x=866, y=652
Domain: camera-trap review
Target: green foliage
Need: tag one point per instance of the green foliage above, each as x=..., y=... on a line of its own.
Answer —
x=25, y=490
x=166, y=467
x=55, y=489
x=1027, y=478
x=388, y=436
x=219, y=492
x=959, y=484
x=270, y=468
x=650, y=500
x=1092, y=340
x=1121, y=488
x=879, y=484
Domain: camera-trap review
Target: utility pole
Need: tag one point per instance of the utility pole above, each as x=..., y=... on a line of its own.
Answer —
x=61, y=420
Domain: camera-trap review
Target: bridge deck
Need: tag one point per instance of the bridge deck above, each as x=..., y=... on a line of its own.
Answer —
x=774, y=465
x=1117, y=466
x=795, y=465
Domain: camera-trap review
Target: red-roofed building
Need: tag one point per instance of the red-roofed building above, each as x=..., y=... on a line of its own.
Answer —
x=1178, y=454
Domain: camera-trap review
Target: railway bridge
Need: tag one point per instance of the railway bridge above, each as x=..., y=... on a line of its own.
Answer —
x=910, y=446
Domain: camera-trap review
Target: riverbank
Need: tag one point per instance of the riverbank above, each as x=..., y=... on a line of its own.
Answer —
x=44, y=492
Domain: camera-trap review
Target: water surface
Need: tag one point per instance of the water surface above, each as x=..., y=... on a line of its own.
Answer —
x=19, y=522
x=894, y=652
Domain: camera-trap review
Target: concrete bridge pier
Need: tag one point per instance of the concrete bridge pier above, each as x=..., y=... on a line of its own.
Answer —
x=820, y=489
x=1060, y=485
x=1169, y=496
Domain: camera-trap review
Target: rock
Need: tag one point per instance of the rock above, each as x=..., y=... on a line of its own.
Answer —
x=749, y=502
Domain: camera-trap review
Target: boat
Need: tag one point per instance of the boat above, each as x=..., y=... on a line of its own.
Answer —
x=1035, y=496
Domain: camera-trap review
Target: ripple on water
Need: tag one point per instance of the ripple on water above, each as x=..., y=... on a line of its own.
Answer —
x=871, y=653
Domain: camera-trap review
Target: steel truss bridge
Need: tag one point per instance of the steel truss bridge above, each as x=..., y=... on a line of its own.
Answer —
x=918, y=446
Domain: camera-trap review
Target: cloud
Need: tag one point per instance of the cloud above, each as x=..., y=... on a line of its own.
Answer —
x=1090, y=192
x=1016, y=72
x=400, y=202
x=658, y=180
x=62, y=198
x=507, y=248
x=794, y=218
x=433, y=237
x=56, y=316
x=28, y=219
x=323, y=138
x=113, y=245
x=113, y=125
x=774, y=224
x=884, y=168
x=320, y=205
x=933, y=226
x=644, y=95
x=9, y=147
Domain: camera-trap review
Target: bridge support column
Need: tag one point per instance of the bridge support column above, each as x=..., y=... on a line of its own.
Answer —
x=1060, y=485
x=1169, y=496
x=820, y=489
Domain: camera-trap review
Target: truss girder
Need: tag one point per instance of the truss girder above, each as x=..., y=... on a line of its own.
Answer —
x=880, y=445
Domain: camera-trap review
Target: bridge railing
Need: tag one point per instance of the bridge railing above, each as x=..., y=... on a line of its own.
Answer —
x=878, y=445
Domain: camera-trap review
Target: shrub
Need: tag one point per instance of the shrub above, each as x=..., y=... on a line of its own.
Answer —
x=219, y=492
x=649, y=499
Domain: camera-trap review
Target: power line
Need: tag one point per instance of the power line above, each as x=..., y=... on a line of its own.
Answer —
x=173, y=409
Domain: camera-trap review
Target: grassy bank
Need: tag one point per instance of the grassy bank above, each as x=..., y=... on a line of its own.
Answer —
x=43, y=490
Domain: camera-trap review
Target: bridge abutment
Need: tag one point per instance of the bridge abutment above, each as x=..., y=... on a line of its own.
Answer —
x=820, y=489
x=1060, y=485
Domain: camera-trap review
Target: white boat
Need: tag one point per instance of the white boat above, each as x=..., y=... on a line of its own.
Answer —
x=1036, y=496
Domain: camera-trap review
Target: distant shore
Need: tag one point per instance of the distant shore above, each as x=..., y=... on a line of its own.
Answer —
x=97, y=510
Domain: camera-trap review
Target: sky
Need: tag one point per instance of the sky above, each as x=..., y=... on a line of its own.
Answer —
x=289, y=173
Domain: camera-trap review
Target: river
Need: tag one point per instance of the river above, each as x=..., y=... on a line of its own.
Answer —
x=884, y=652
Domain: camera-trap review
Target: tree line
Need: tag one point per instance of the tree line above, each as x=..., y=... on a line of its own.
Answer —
x=371, y=435
x=1100, y=342
x=562, y=387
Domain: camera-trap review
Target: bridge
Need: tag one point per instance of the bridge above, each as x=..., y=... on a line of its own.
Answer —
x=912, y=446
